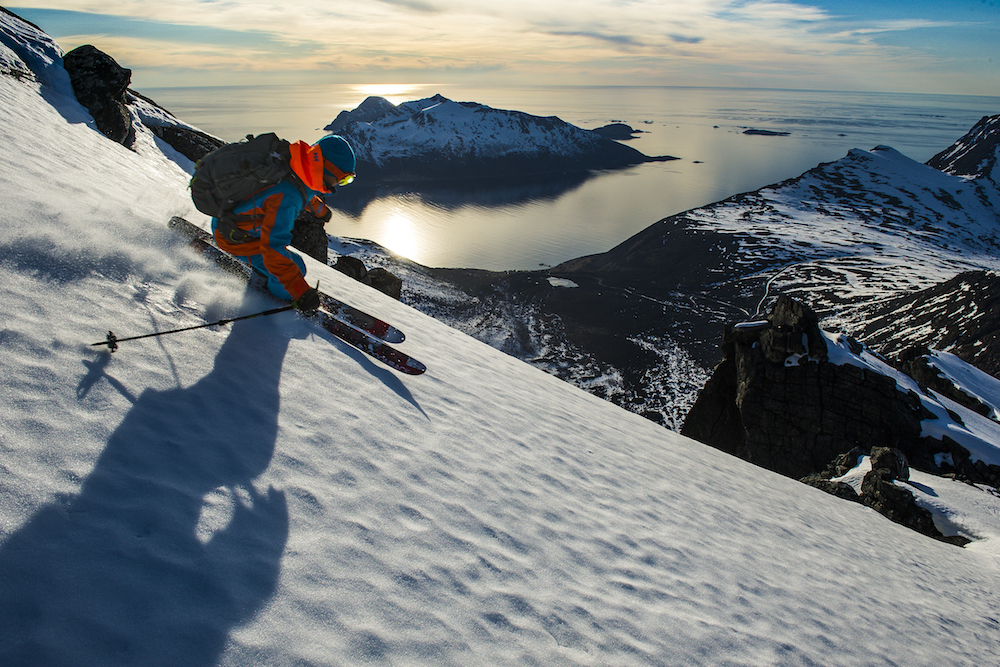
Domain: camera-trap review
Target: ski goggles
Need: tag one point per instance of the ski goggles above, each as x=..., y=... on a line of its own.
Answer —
x=342, y=177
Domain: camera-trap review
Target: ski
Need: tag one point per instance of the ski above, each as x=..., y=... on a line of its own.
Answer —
x=369, y=344
x=332, y=316
x=202, y=242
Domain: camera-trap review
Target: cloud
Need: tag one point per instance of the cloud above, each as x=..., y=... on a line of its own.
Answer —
x=620, y=40
x=415, y=5
x=777, y=12
x=684, y=39
x=900, y=26
x=570, y=41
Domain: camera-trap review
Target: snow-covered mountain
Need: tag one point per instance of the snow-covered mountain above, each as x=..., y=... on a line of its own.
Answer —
x=263, y=495
x=865, y=227
x=974, y=156
x=843, y=237
x=438, y=139
x=641, y=324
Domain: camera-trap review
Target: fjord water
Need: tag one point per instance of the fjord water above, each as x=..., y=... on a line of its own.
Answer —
x=501, y=226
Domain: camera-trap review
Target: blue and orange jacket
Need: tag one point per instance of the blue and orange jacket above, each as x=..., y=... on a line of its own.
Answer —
x=269, y=216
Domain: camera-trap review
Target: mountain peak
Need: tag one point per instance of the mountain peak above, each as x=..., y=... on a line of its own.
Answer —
x=976, y=155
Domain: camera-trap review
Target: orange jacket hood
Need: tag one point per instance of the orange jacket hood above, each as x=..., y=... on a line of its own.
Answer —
x=307, y=163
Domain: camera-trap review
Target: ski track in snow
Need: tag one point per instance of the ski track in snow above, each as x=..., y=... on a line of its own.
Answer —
x=265, y=495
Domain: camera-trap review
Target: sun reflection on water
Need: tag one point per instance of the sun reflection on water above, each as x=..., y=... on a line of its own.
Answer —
x=401, y=236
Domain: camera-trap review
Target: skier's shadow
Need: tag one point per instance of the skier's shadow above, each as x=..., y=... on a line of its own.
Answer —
x=121, y=573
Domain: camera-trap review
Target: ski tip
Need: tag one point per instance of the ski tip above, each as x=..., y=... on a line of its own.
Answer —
x=414, y=367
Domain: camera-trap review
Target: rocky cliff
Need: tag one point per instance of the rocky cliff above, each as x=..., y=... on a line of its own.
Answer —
x=795, y=399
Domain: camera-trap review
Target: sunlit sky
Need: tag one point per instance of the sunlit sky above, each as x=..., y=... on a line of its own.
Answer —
x=928, y=46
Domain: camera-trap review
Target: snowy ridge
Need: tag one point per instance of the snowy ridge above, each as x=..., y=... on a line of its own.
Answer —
x=958, y=316
x=25, y=50
x=976, y=155
x=266, y=496
x=869, y=226
x=437, y=138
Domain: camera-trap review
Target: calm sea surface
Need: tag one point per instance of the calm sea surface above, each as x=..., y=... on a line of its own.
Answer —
x=530, y=226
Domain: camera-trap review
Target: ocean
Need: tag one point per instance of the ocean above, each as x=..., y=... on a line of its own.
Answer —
x=500, y=227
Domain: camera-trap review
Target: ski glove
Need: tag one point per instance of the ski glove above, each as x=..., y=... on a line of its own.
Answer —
x=308, y=302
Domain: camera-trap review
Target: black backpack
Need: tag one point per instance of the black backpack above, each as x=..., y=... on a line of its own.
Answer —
x=234, y=172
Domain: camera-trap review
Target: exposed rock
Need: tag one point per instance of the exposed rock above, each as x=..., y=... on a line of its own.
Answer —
x=794, y=331
x=914, y=362
x=879, y=492
x=309, y=236
x=385, y=282
x=947, y=457
x=892, y=461
x=378, y=277
x=188, y=141
x=765, y=133
x=351, y=267
x=776, y=401
x=842, y=490
x=844, y=463
x=192, y=144
x=100, y=84
x=616, y=131
x=976, y=154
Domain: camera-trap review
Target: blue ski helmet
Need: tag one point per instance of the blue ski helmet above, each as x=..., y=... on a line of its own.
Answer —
x=338, y=153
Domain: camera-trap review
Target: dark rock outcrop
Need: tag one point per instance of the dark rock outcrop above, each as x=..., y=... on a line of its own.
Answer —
x=915, y=362
x=378, y=277
x=765, y=133
x=616, y=132
x=892, y=461
x=191, y=143
x=837, y=468
x=309, y=236
x=776, y=401
x=879, y=492
x=100, y=84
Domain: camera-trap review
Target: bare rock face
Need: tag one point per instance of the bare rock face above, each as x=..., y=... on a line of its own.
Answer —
x=379, y=278
x=192, y=144
x=100, y=84
x=776, y=401
x=309, y=236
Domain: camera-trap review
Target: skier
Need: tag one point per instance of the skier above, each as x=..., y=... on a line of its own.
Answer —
x=261, y=229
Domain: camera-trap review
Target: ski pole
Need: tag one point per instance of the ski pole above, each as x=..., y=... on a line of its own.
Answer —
x=112, y=340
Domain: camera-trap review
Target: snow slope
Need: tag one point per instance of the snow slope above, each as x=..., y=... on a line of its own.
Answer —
x=263, y=495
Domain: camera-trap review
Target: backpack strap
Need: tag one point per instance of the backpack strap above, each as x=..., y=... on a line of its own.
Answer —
x=227, y=225
x=227, y=229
